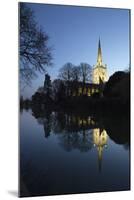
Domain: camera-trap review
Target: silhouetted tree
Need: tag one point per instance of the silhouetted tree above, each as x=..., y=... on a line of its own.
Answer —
x=40, y=90
x=86, y=72
x=122, y=89
x=65, y=72
x=34, y=52
x=47, y=123
x=116, y=78
x=38, y=99
x=76, y=73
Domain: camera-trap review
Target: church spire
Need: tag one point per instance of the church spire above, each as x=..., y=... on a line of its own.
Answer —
x=99, y=57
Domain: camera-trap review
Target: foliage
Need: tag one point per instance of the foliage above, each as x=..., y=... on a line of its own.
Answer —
x=118, y=85
x=113, y=80
x=34, y=52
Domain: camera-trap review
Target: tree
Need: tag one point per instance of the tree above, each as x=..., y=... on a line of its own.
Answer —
x=76, y=73
x=34, y=52
x=40, y=90
x=119, y=86
x=65, y=72
x=86, y=72
x=112, y=83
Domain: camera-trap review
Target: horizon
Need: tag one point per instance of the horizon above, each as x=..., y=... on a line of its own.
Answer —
x=75, y=37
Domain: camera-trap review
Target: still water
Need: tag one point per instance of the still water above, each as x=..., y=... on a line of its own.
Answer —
x=69, y=153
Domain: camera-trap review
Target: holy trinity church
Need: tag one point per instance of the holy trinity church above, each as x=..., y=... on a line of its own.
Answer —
x=99, y=70
x=99, y=77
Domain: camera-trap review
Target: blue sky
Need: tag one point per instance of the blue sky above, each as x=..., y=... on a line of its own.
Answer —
x=74, y=33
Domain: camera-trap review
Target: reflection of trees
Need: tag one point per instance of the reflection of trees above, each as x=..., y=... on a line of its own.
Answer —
x=118, y=129
x=59, y=122
x=82, y=132
x=74, y=130
x=44, y=118
x=47, y=126
x=81, y=140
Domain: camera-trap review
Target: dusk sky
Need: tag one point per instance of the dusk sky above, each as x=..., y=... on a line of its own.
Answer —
x=74, y=33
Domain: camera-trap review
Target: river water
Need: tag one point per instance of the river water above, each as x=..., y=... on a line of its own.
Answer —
x=72, y=153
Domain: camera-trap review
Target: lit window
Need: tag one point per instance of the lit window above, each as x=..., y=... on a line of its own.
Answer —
x=80, y=91
x=89, y=92
x=92, y=90
x=84, y=91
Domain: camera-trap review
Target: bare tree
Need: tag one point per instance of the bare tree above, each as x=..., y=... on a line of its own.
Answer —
x=34, y=52
x=76, y=73
x=65, y=72
x=86, y=72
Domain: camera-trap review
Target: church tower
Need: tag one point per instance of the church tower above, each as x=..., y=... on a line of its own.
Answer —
x=99, y=70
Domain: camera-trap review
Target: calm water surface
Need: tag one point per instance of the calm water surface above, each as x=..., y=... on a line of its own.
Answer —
x=66, y=153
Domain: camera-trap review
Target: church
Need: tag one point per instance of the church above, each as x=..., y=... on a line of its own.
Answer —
x=99, y=70
x=99, y=78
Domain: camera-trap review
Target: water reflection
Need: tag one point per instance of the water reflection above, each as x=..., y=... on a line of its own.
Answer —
x=83, y=132
x=71, y=152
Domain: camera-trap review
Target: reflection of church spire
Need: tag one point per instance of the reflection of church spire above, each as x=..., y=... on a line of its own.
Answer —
x=99, y=58
x=100, y=140
x=100, y=150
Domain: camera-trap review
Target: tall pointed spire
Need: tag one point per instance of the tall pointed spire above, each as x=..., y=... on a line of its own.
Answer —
x=99, y=57
x=99, y=70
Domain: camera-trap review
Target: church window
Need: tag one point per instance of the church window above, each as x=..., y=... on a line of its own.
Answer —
x=89, y=92
x=92, y=90
x=85, y=91
x=80, y=91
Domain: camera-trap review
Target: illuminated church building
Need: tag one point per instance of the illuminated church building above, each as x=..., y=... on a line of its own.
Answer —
x=99, y=70
x=99, y=77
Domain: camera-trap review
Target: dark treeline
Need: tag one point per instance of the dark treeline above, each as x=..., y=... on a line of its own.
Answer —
x=114, y=95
